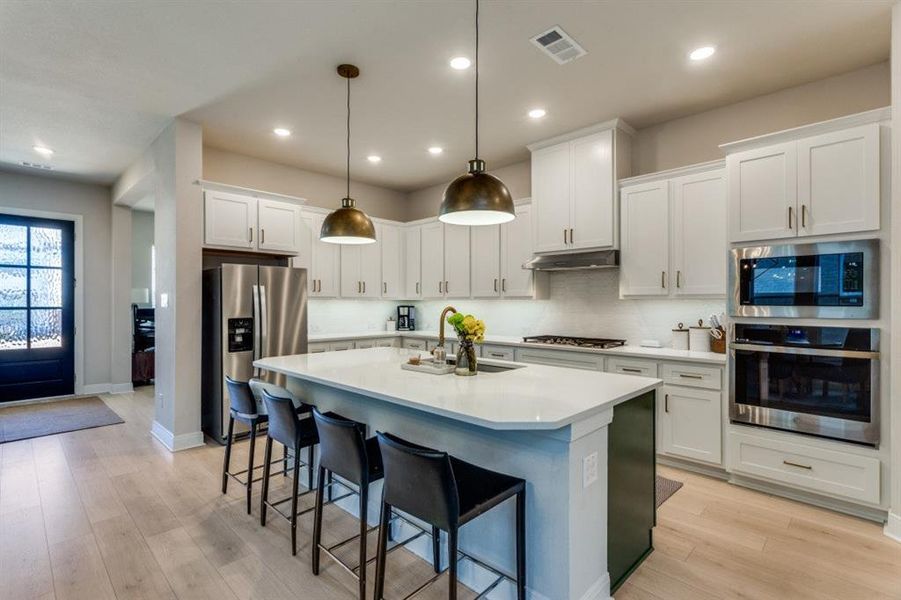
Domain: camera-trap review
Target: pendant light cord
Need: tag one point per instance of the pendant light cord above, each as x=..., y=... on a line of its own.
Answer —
x=477, y=79
x=348, y=138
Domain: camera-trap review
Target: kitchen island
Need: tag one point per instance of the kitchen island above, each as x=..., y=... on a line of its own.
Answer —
x=562, y=430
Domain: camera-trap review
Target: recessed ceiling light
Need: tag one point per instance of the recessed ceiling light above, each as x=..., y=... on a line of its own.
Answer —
x=43, y=150
x=374, y=158
x=537, y=113
x=281, y=132
x=460, y=63
x=436, y=150
x=702, y=53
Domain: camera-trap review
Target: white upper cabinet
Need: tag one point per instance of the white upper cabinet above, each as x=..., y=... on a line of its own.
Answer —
x=644, y=258
x=279, y=225
x=486, y=261
x=392, y=261
x=574, y=188
x=673, y=233
x=838, y=181
x=325, y=263
x=516, y=249
x=361, y=274
x=593, y=219
x=229, y=220
x=763, y=193
x=805, y=184
x=551, y=182
x=241, y=221
x=699, y=243
x=432, y=266
x=456, y=261
x=412, y=262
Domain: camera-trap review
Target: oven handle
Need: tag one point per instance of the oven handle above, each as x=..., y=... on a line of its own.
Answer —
x=806, y=351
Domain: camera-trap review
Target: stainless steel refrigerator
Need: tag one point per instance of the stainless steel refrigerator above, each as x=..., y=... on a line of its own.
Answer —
x=249, y=312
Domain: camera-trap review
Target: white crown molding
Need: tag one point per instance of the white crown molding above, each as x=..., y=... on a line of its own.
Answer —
x=676, y=172
x=580, y=133
x=227, y=187
x=877, y=115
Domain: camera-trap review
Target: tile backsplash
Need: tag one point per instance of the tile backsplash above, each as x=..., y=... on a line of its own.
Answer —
x=582, y=303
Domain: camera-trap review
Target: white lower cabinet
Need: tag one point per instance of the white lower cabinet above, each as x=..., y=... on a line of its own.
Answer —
x=341, y=345
x=560, y=358
x=625, y=365
x=317, y=347
x=498, y=352
x=364, y=344
x=843, y=474
x=387, y=343
x=689, y=423
x=414, y=343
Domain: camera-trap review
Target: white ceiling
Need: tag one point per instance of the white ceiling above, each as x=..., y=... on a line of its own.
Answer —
x=97, y=81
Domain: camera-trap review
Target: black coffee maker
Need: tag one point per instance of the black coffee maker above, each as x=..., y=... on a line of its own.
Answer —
x=406, y=318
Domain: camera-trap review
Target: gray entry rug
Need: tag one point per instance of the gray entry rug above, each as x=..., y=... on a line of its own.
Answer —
x=664, y=488
x=47, y=418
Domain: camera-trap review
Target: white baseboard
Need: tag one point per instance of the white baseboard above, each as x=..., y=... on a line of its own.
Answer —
x=93, y=389
x=121, y=388
x=599, y=590
x=893, y=526
x=176, y=443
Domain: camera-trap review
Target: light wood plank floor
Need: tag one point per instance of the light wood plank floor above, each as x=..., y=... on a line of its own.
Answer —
x=109, y=513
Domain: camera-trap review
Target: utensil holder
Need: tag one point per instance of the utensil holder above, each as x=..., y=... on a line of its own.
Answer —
x=718, y=345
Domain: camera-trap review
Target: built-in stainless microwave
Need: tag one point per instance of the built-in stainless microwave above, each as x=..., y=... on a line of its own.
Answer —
x=831, y=280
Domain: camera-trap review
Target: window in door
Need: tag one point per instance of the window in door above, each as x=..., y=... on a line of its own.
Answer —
x=36, y=308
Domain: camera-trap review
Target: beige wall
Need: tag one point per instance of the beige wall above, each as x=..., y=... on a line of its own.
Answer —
x=141, y=244
x=92, y=202
x=319, y=190
x=696, y=138
x=425, y=203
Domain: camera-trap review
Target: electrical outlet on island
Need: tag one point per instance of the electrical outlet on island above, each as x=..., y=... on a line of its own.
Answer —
x=589, y=469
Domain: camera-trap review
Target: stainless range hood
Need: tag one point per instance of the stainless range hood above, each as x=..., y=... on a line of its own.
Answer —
x=600, y=259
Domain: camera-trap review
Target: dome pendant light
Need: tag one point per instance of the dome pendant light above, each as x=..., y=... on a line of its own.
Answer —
x=348, y=224
x=476, y=198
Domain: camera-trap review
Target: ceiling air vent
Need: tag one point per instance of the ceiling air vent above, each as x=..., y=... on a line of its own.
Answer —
x=557, y=44
x=35, y=165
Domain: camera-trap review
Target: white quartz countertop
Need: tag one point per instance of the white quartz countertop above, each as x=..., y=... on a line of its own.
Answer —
x=627, y=350
x=532, y=397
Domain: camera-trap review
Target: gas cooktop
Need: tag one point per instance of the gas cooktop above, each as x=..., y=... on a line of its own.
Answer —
x=581, y=342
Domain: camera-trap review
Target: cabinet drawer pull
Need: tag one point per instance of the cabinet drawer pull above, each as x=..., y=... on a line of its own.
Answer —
x=497, y=354
x=687, y=376
x=250, y=229
x=799, y=465
x=790, y=213
x=629, y=370
x=666, y=403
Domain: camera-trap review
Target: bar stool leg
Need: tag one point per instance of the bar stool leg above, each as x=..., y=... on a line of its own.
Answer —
x=364, y=526
x=264, y=493
x=317, y=522
x=521, y=545
x=228, y=453
x=311, y=456
x=253, y=439
x=294, y=502
x=436, y=549
x=382, y=552
x=452, y=563
x=285, y=461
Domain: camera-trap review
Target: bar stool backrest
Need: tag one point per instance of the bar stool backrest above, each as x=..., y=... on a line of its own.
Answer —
x=284, y=425
x=342, y=447
x=241, y=399
x=419, y=481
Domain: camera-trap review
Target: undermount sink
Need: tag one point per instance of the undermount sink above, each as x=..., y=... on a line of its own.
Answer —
x=482, y=367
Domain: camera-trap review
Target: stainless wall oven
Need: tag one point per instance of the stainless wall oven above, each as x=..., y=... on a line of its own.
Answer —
x=821, y=381
x=832, y=280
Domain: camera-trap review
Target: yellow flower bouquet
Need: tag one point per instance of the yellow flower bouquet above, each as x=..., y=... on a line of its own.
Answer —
x=470, y=331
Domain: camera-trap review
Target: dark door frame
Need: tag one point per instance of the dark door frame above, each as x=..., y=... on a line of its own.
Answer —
x=78, y=226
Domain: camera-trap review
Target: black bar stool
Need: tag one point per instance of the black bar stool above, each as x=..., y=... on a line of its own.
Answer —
x=243, y=409
x=287, y=428
x=447, y=493
x=344, y=451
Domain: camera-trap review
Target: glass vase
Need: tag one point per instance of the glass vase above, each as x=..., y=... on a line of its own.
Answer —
x=466, y=359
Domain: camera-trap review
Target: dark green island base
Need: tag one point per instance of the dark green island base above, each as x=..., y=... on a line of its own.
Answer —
x=631, y=509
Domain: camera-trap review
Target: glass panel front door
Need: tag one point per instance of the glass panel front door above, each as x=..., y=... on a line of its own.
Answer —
x=36, y=308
